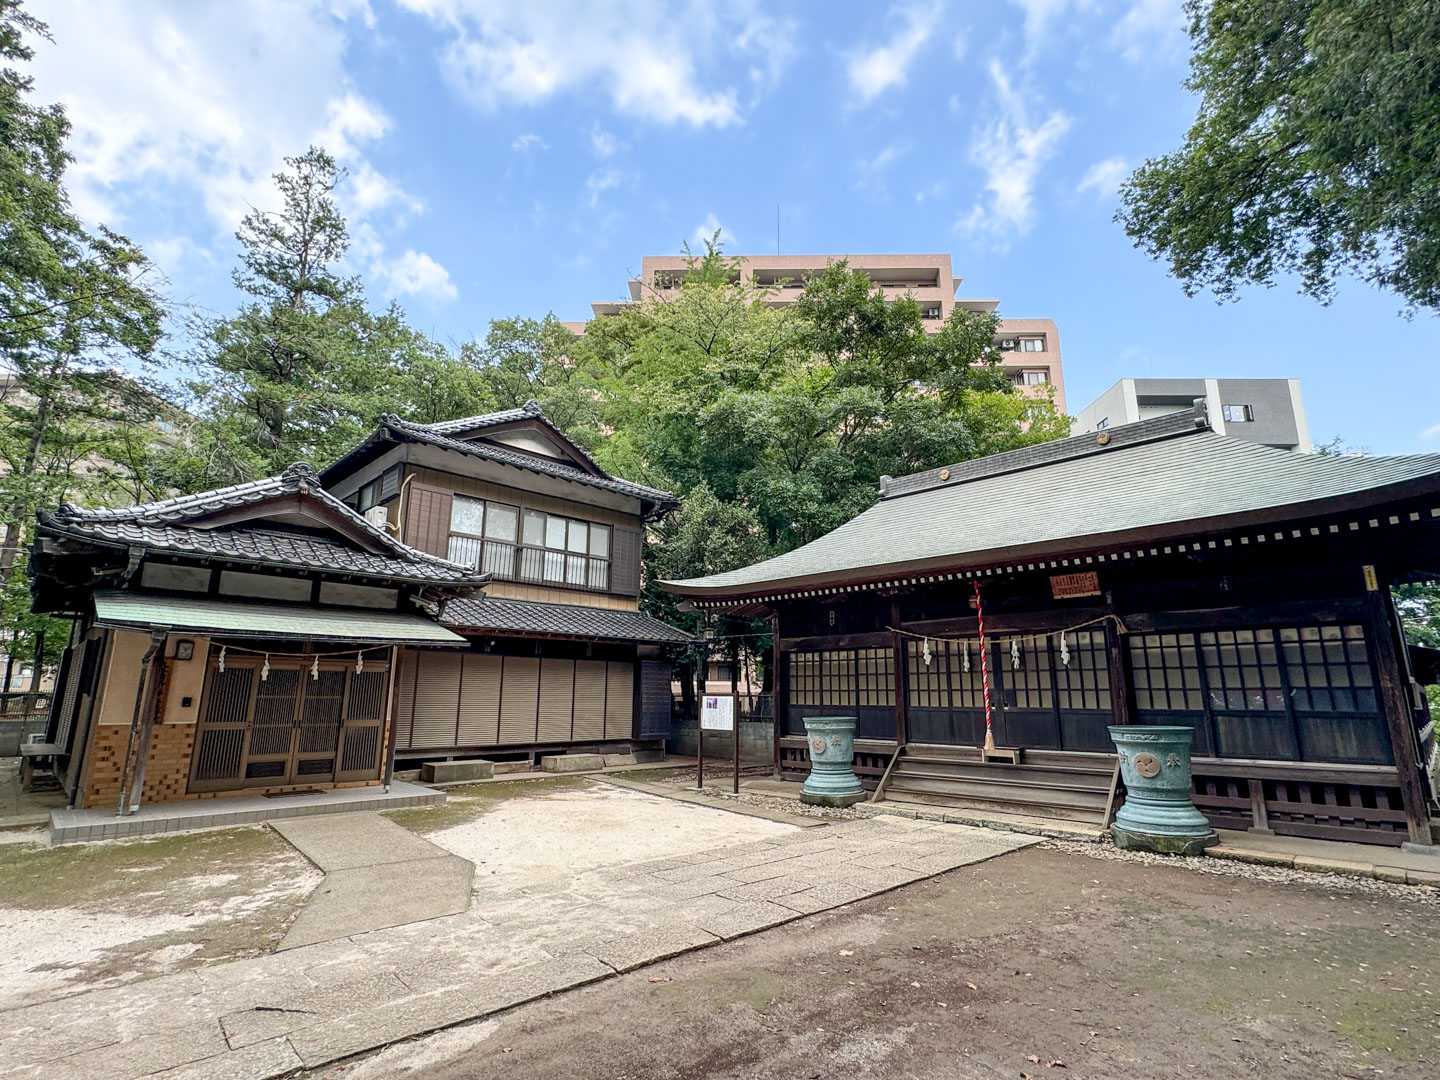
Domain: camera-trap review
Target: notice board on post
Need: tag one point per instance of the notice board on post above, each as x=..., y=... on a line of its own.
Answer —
x=717, y=713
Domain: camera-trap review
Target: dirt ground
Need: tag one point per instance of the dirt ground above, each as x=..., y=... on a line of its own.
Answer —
x=1004, y=969
x=83, y=916
x=527, y=832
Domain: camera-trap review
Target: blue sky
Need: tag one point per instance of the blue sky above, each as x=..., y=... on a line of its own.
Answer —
x=516, y=158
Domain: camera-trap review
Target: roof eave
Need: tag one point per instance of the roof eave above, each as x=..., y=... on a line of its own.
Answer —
x=967, y=562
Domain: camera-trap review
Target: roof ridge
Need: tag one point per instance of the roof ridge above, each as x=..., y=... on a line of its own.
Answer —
x=1171, y=425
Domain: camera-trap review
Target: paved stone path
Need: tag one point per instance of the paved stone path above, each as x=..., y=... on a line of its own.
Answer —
x=319, y=1003
x=377, y=874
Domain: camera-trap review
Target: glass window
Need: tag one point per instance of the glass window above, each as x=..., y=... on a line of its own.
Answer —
x=1032, y=344
x=876, y=676
x=534, y=529
x=1237, y=414
x=1028, y=686
x=1101, y=425
x=500, y=521
x=927, y=681
x=1033, y=378
x=600, y=541
x=579, y=540
x=1166, y=672
x=967, y=688
x=1085, y=682
x=555, y=532
x=467, y=516
x=1329, y=669
x=1242, y=669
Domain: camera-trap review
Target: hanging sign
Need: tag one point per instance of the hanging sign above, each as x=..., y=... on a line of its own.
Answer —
x=717, y=713
x=1064, y=586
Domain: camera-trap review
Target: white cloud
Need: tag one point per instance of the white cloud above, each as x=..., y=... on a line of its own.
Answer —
x=184, y=110
x=1151, y=31
x=870, y=174
x=417, y=274
x=523, y=144
x=602, y=143
x=601, y=181
x=1430, y=432
x=1011, y=152
x=873, y=71
x=1104, y=177
x=651, y=59
x=1040, y=14
x=707, y=229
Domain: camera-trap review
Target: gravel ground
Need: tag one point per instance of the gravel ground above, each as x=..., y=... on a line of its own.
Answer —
x=1200, y=864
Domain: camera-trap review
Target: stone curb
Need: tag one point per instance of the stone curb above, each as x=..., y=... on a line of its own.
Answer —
x=1396, y=875
x=1053, y=830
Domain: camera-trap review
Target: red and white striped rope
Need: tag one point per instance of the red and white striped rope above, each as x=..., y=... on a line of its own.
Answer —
x=984, y=667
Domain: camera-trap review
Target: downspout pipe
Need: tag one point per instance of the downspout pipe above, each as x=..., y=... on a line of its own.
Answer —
x=157, y=643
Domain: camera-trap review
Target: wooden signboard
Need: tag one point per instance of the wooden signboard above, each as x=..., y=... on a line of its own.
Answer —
x=1066, y=586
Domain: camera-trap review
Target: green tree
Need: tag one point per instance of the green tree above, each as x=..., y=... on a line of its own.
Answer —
x=305, y=368
x=524, y=360
x=75, y=304
x=1316, y=150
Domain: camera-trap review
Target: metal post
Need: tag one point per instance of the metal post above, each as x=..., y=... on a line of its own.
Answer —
x=735, y=741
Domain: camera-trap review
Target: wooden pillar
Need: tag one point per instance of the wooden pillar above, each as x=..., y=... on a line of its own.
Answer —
x=1115, y=655
x=780, y=684
x=392, y=701
x=1395, y=699
x=902, y=678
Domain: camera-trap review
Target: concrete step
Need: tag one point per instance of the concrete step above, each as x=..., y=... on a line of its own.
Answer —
x=998, y=771
x=960, y=802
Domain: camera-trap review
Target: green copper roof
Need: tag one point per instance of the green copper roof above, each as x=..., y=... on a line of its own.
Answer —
x=1171, y=476
x=291, y=621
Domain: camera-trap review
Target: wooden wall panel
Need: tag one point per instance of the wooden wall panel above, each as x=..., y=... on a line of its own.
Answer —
x=589, y=699
x=519, y=699
x=427, y=519
x=625, y=560
x=480, y=700
x=557, y=686
x=619, y=700
x=437, y=699
x=405, y=699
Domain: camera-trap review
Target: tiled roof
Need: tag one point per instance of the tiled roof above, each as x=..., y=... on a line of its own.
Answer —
x=177, y=525
x=529, y=411
x=1169, y=476
x=496, y=614
x=425, y=433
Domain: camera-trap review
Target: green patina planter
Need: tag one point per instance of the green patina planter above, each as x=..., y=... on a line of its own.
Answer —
x=832, y=780
x=1158, y=814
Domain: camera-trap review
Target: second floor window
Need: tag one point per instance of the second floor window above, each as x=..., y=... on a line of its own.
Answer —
x=531, y=545
x=1031, y=344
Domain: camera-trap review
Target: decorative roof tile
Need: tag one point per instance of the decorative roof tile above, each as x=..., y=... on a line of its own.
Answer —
x=1157, y=478
x=177, y=525
x=500, y=615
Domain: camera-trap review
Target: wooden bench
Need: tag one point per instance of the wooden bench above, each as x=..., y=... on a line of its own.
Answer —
x=30, y=755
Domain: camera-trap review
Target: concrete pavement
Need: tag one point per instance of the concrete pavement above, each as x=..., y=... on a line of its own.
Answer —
x=314, y=1004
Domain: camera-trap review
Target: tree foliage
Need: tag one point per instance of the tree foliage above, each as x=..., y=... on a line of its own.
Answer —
x=1316, y=150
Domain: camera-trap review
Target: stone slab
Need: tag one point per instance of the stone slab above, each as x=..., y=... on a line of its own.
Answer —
x=613, y=761
x=454, y=772
x=347, y=841
x=366, y=898
x=1334, y=866
x=572, y=763
x=507, y=767
x=273, y=1057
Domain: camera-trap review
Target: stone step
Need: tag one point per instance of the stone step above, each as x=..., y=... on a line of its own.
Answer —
x=453, y=772
x=572, y=763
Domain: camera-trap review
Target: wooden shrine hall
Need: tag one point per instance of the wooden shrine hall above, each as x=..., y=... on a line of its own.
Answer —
x=1153, y=573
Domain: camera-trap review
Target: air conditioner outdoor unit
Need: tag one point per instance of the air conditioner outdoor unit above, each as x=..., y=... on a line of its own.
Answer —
x=1008, y=344
x=376, y=516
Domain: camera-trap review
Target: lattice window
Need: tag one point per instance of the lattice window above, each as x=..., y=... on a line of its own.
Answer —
x=1029, y=684
x=967, y=688
x=1085, y=682
x=1329, y=669
x=837, y=678
x=805, y=678
x=1242, y=670
x=876, y=671
x=927, y=681
x=1165, y=669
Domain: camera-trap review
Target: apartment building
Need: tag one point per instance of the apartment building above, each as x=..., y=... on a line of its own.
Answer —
x=1265, y=411
x=1031, y=346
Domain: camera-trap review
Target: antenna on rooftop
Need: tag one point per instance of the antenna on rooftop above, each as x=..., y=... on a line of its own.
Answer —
x=777, y=228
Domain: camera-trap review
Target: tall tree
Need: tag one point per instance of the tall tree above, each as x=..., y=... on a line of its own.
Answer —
x=75, y=304
x=305, y=367
x=1316, y=150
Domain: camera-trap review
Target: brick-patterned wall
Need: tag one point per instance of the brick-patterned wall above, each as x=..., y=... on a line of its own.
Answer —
x=167, y=768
